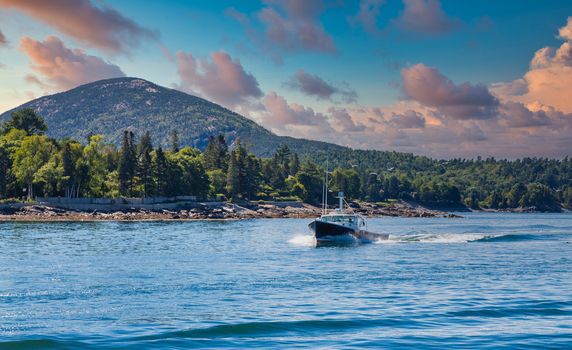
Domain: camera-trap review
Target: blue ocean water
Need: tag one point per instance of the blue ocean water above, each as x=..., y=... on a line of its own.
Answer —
x=488, y=280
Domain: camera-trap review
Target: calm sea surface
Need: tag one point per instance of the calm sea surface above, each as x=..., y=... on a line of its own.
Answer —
x=484, y=281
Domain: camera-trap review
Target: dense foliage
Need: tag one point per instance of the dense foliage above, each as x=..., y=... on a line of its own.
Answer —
x=33, y=164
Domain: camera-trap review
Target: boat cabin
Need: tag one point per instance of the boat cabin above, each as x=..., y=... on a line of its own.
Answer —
x=348, y=220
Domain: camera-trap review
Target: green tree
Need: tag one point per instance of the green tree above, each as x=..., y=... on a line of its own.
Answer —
x=233, y=176
x=50, y=175
x=94, y=157
x=211, y=154
x=28, y=120
x=71, y=153
x=311, y=177
x=347, y=181
x=539, y=196
x=217, y=180
x=216, y=153
x=33, y=153
x=144, y=165
x=515, y=195
x=294, y=164
x=161, y=172
x=127, y=164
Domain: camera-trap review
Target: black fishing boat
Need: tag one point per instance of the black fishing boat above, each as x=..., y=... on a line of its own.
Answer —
x=341, y=225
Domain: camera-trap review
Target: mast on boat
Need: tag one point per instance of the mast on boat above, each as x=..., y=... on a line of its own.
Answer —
x=325, y=191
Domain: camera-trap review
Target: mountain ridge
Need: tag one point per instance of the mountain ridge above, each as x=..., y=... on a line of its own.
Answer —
x=110, y=106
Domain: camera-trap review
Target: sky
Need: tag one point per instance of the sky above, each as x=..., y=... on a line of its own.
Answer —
x=442, y=78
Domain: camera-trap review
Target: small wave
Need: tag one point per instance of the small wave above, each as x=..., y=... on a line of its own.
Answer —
x=279, y=328
x=507, y=238
x=458, y=238
x=42, y=344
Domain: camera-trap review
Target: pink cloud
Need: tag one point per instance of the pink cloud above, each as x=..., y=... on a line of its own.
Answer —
x=566, y=32
x=282, y=114
x=549, y=79
x=221, y=79
x=315, y=86
x=425, y=17
x=100, y=27
x=61, y=68
x=429, y=87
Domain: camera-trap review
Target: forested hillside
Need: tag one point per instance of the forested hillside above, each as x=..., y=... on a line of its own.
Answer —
x=31, y=163
x=108, y=107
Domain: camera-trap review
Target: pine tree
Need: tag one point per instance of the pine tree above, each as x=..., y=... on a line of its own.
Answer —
x=222, y=152
x=294, y=164
x=144, y=168
x=26, y=119
x=127, y=163
x=161, y=172
x=233, y=176
x=282, y=156
x=211, y=154
x=253, y=171
x=216, y=153
x=241, y=158
x=132, y=161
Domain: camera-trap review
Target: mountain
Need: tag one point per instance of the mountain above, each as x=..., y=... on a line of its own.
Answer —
x=110, y=106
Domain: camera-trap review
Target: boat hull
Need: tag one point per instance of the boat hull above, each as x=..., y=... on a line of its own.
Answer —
x=327, y=231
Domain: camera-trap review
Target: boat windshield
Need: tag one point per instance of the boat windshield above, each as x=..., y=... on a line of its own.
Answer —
x=340, y=218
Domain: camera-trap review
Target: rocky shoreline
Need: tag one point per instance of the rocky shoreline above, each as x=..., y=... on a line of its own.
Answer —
x=226, y=211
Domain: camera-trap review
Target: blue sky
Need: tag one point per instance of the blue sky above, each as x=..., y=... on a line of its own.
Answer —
x=326, y=66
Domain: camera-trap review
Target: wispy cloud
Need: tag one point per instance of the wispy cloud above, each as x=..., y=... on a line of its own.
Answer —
x=368, y=13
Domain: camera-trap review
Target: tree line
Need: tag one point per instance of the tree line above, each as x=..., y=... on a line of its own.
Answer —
x=33, y=164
